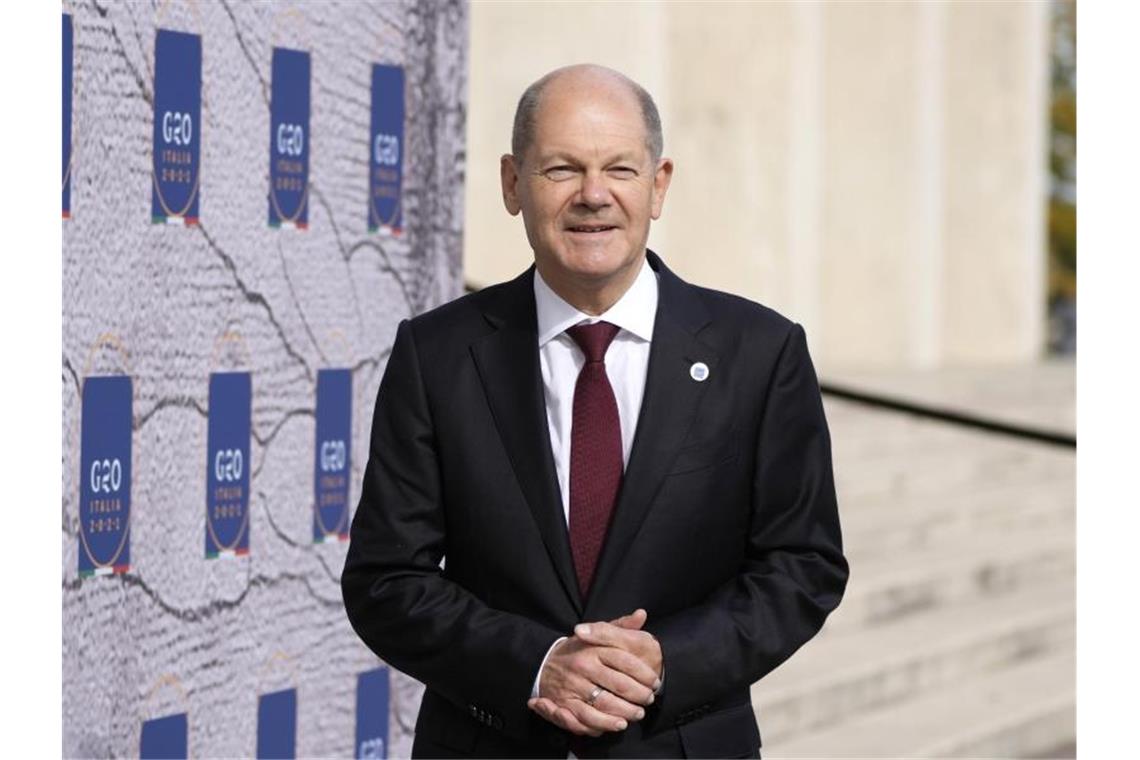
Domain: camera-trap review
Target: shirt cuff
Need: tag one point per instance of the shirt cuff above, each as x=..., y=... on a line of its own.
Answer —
x=538, y=676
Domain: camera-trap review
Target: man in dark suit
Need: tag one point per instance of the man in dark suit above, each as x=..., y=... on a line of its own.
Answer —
x=599, y=501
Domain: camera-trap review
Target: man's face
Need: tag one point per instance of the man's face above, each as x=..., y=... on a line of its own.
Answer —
x=587, y=186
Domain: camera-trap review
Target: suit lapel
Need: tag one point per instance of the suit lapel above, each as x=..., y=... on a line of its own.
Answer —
x=508, y=365
x=669, y=407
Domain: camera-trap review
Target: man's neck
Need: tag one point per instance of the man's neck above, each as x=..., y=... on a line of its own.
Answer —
x=593, y=297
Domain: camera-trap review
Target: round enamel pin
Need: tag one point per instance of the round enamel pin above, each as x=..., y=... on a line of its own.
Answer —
x=699, y=371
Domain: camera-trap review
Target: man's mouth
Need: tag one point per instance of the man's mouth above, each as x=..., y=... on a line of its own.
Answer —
x=591, y=228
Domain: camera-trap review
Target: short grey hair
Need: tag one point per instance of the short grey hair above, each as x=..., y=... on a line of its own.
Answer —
x=526, y=114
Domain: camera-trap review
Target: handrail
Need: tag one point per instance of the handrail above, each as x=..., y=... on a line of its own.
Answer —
x=963, y=419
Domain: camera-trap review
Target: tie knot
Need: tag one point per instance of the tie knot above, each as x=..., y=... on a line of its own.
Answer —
x=593, y=339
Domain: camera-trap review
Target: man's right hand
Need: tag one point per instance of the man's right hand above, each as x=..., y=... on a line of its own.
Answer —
x=575, y=669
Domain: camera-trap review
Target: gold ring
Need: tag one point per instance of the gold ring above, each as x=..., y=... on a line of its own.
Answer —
x=597, y=692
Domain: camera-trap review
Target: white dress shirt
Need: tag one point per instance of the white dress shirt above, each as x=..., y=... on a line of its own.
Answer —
x=627, y=361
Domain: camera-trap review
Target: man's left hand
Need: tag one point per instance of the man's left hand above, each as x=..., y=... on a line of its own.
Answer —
x=632, y=639
x=623, y=633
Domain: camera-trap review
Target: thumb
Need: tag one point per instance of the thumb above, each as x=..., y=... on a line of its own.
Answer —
x=633, y=621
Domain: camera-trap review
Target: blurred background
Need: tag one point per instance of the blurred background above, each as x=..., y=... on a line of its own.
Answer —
x=900, y=179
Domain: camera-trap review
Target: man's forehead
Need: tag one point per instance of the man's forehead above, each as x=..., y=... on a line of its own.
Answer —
x=605, y=142
x=620, y=149
x=583, y=110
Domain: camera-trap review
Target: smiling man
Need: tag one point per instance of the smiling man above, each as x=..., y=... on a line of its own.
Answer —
x=599, y=501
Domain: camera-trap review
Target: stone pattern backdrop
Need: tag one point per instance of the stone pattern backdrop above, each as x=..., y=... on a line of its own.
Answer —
x=178, y=632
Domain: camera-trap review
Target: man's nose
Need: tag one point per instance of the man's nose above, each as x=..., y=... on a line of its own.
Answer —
x=595, y=192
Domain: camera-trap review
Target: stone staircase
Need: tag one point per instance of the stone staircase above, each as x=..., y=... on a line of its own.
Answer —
x=956, y=637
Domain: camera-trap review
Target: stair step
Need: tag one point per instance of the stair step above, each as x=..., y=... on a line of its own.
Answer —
x=836, y=676
x=990, y=564
x=933, y=467
x=1054, y=483
x=1010, y=712
x=1057, y=479
x=916, y=522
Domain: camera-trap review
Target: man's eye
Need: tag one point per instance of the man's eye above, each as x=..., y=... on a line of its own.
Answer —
x=558, y=173
x=624, y=172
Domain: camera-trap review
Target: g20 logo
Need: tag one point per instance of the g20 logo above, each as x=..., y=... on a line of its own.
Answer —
x=228, y=465
x=386, y=149
x=290, y=139
x=333, y=456
x=177, y=127
x=106, y=475
x=372, y=749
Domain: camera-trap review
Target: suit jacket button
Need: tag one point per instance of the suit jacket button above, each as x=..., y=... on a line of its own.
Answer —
x=473, y=711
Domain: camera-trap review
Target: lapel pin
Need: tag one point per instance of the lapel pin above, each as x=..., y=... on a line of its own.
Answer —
x=699, y=371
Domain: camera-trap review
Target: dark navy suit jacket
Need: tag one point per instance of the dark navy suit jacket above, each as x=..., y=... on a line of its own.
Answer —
x=726, y=528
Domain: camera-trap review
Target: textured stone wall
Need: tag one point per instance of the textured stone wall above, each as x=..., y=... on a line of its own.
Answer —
x=169, y=305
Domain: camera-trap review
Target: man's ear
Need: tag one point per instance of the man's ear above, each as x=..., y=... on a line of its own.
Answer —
x=509, y=175
x=661, y=179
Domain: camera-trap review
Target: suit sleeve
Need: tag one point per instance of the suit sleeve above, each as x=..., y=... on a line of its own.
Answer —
x=398, y=599
x=794, y=572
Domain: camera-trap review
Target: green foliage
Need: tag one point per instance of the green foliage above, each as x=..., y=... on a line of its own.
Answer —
x=1062, y=223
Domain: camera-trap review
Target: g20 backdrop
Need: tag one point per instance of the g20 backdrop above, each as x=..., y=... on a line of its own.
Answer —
x=253, y=196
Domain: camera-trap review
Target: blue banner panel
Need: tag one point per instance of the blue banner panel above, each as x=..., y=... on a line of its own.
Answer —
x=277, y=724
x=67, y=59
x=227, y=464
x=105, y=476
x=372, y=714
x=177, y=122
x=164, y=738
x=386, y=165
x=333, y=455
x=289, y=140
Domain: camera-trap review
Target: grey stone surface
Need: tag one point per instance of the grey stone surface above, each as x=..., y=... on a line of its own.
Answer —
x=179, y=632
x=956, y=635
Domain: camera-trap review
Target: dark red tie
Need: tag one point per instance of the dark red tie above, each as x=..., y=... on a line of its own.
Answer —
x=595, y=451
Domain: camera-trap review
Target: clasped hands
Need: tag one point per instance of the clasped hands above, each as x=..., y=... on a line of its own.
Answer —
x=601, y=678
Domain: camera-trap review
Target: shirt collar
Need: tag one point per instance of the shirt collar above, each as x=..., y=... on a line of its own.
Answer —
x=635, y=312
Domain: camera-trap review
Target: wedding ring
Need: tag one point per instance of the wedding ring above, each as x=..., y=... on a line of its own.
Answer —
x=597, y=692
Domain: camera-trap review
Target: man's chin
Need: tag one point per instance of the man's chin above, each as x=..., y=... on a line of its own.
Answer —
x=588, y=267
x=597, y=261
x=598, y=274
